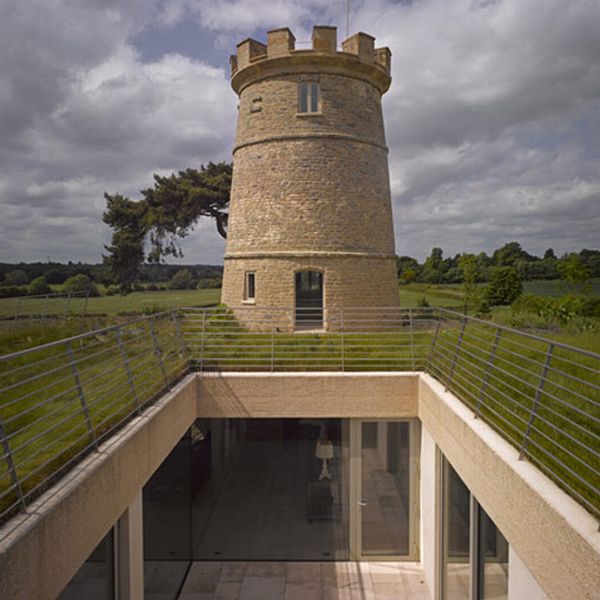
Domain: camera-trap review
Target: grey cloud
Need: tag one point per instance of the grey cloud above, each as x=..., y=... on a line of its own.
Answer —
x=491, y=120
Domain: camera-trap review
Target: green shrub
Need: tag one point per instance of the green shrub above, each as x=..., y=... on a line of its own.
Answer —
x=505, y=286
x=16, y=277
x=39, y=286
x=81, y=283
x=182, y=280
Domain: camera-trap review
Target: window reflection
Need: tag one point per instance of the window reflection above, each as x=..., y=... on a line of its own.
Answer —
x=95, y=578
x=482, y=568
x=385, y=514
x=456, y=535
x=493, y=560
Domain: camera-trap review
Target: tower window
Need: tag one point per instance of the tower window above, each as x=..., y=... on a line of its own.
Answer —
x=250, y=286
x=309, y=100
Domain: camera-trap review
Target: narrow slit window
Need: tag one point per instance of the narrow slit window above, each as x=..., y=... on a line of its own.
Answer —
x=250, y=286
x=308, y=97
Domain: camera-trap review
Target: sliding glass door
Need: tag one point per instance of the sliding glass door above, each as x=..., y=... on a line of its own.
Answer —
x=384, y=489
x=474, y=561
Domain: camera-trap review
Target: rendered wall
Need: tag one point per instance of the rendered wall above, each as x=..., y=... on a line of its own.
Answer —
x=429, y=517
x=263, y=395
x=521, y=583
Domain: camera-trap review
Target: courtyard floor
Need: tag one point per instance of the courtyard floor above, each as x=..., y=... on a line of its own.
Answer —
x=300, y=581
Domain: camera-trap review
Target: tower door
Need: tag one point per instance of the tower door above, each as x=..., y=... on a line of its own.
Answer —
x=309, y=300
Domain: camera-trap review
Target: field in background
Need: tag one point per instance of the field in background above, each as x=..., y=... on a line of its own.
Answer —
x=134, y=303
x=106, y=310
x=451, y=294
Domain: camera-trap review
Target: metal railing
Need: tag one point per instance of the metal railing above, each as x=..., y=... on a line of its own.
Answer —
x=58, y=401
x=44, y=306
x=541, y=395
x=346, y=339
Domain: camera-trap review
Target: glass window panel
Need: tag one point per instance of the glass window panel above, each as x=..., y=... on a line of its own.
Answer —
x=303, y=97
x=250, y=286
x=314, y=97
x=385, y=515
x=95, y=578
x=456, y=535
x=270, y=489
x=493, y=560
x=167, y=531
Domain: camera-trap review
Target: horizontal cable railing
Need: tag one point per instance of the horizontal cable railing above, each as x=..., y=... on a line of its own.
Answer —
x=541, y=395
x=58, y=401
x=315, y=339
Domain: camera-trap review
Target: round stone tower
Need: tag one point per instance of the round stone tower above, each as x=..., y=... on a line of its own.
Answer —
x=310, y=223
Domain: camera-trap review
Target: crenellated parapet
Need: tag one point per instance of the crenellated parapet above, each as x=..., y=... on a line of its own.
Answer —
x=358, y=58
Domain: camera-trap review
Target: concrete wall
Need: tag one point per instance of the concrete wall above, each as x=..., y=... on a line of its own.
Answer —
x=260, y=395
x=556, y=539
x=429, y=511
x=48, y=544
x=521, y=583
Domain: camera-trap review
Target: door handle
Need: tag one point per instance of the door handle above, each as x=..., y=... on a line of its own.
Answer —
x=361, y=503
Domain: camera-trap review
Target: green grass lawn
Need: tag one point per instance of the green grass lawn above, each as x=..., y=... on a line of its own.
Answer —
x=44, y=393
x=444, y=295
x=41, y=402
x=134, y=303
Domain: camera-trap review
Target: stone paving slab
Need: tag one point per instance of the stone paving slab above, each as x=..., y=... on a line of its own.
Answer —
x=304, y=581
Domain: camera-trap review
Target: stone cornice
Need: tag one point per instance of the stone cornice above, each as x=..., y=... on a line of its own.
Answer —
x=309, y=62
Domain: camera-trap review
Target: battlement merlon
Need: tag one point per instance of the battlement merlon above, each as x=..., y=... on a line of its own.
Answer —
x=358, y=58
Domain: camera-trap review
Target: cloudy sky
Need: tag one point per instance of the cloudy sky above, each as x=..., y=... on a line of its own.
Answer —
x=493, y=118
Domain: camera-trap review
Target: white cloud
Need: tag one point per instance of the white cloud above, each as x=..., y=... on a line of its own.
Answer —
x=108, y=122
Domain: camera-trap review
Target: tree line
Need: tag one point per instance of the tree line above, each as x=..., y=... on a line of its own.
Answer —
x=21, y=279
x=576, y=267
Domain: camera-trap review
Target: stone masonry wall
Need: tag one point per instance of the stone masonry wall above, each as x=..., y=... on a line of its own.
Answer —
x=349, y=106
x=332, y=195
x=310, y=191
x=348, y=281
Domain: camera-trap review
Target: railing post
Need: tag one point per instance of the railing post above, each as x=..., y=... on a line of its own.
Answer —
x=84, y=407
x=85, y=303
x=45, y=309
x=272, y=343
x=488, y=371
x=127, y=367
x=202, y=336
x=456, y=351
x=536, y=401
x=412, y=339
x=158, y=350
x=342, y=340
x=182, y=345
x=433, y=341
x=11, y=465
x=67, y=302
x=19, y=304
